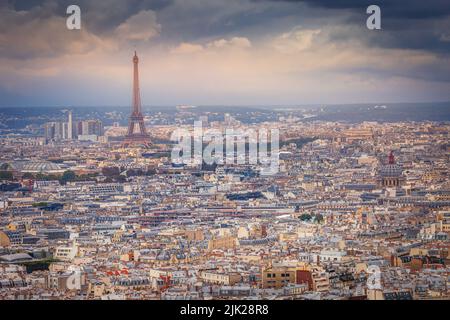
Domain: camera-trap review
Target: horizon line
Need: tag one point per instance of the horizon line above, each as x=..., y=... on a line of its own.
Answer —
x=300, y=105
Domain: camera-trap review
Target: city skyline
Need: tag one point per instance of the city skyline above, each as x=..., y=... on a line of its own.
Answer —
x=234, y=53
x=243, y=151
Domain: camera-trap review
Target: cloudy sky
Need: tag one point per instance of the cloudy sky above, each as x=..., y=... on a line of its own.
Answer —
x=217, y=52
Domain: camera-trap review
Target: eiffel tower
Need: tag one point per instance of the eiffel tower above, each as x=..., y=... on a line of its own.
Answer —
x=136, y=137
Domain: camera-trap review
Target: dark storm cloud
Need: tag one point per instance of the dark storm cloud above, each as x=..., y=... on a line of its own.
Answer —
x=37, y=29
x=99, y=16
x=182, y=20
x=411, y=9
x=201, y=18
x=296, y=51
x=24, y=5
x=415, y=24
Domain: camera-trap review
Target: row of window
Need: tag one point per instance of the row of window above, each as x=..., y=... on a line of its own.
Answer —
x=273, y=275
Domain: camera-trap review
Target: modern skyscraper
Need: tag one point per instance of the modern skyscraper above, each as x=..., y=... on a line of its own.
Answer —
x=90, y=130
x=70, y=127
x=91, y=127
x=136, y=137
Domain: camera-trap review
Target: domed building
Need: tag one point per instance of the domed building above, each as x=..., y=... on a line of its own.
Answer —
x=390, y=175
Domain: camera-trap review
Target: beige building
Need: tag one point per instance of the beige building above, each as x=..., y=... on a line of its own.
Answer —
x=4, y=240
x=66, y=253
x=277, y=277
x=216, y=277
x=98, y=289
x=194, y=235
x=222, y=243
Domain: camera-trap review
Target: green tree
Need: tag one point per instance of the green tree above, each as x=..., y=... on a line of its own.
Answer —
x=40, y=204
x=28, y=175
x=110, y=171
x=121, y=179
x=305, y=217
x=6, y=175
x=68, y=176
x=319, y=217
x=46, y=177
